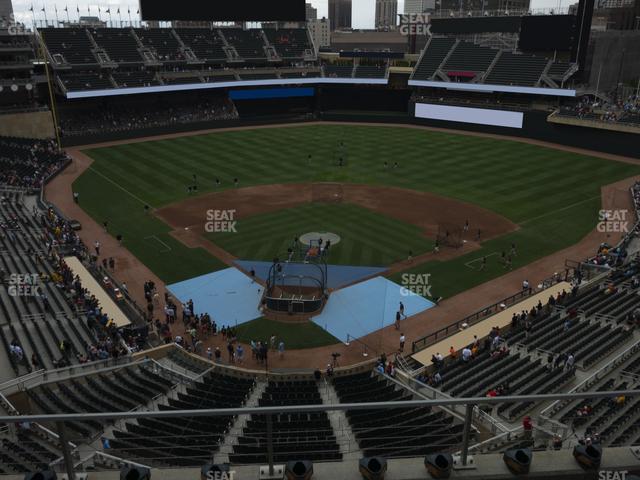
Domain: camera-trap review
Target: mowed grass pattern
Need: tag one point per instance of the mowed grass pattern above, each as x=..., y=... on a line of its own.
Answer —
x=553, y=195
x=366, y=238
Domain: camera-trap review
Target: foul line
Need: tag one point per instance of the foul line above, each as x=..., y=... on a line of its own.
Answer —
x=560, y=209
x=167, y=247
x=119, y=186
x=468, y=264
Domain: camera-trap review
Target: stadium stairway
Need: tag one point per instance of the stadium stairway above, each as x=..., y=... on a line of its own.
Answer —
x=306, y=435
x=231, y=438
x=396, y=432
x=344, y=435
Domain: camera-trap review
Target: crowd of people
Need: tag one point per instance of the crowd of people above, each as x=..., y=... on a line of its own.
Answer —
x=160, y=114
x=624, y=110
x=199, y=328
x=26, y=163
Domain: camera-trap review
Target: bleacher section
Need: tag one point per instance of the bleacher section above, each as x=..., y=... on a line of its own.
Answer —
x=86, y=80
x=119, y=44
x=135, y=78
x=188, y=50
x=338, y=71
x=557, y=70
x=41, y=323
x=46, y=320
x=25, y=163
x=179, y=441
x=463, y=60
x=117, y=390
x=469, y=59
x=436, y=51
x=289, y=42
x=370, y=71
x=395, y=432
x=248, y=43
x=517, y=69
x=72, y=44
x=616, y=422
x=304, y=435
x=250, y=75
x=532, y=354
x=26, y=451
x=162, y=42
x=205, y=43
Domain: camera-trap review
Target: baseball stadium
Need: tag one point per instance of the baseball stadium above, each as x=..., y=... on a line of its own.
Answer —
x=278, y=240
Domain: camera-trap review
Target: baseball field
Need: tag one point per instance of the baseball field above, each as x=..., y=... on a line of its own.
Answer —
x=543, y=199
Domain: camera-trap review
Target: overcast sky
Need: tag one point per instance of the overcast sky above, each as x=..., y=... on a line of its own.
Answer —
x=363, y=10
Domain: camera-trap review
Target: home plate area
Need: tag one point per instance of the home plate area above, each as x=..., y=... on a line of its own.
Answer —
x=361, y=301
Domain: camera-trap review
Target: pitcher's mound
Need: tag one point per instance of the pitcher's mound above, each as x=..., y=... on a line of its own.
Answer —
x=313, y=237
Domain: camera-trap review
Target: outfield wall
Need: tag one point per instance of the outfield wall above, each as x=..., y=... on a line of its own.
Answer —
x=385, y=106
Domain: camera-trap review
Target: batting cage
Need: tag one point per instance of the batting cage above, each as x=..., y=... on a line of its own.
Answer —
x=327, y=192
x=449, y=235
x=297, y=281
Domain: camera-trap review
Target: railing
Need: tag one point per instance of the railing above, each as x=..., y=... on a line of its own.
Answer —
x=366, y=349
x=469, y=404
x=130, y=308
x=22, y=109
x=182, y=378
x=38, y=377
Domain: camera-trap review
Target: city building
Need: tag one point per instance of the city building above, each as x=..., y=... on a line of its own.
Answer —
x=340, y=14
x=311, y=13
x=386, y=14
x=414, y=6
x=320, y=31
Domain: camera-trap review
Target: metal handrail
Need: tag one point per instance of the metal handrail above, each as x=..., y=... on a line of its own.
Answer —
x=276, y=410
x=38, y=377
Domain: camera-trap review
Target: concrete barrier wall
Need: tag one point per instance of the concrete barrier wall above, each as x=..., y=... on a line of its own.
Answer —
x=27, y=125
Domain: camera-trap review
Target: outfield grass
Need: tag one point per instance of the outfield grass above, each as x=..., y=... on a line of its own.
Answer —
x=366, y=238
x=294, y=335
x=553, y=195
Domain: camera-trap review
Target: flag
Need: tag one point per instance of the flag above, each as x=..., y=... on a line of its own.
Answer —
x=77, y=8
x=66, y=9
x=128, y=10
x=42, y=9
x=31, y=9
x=108, y=10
